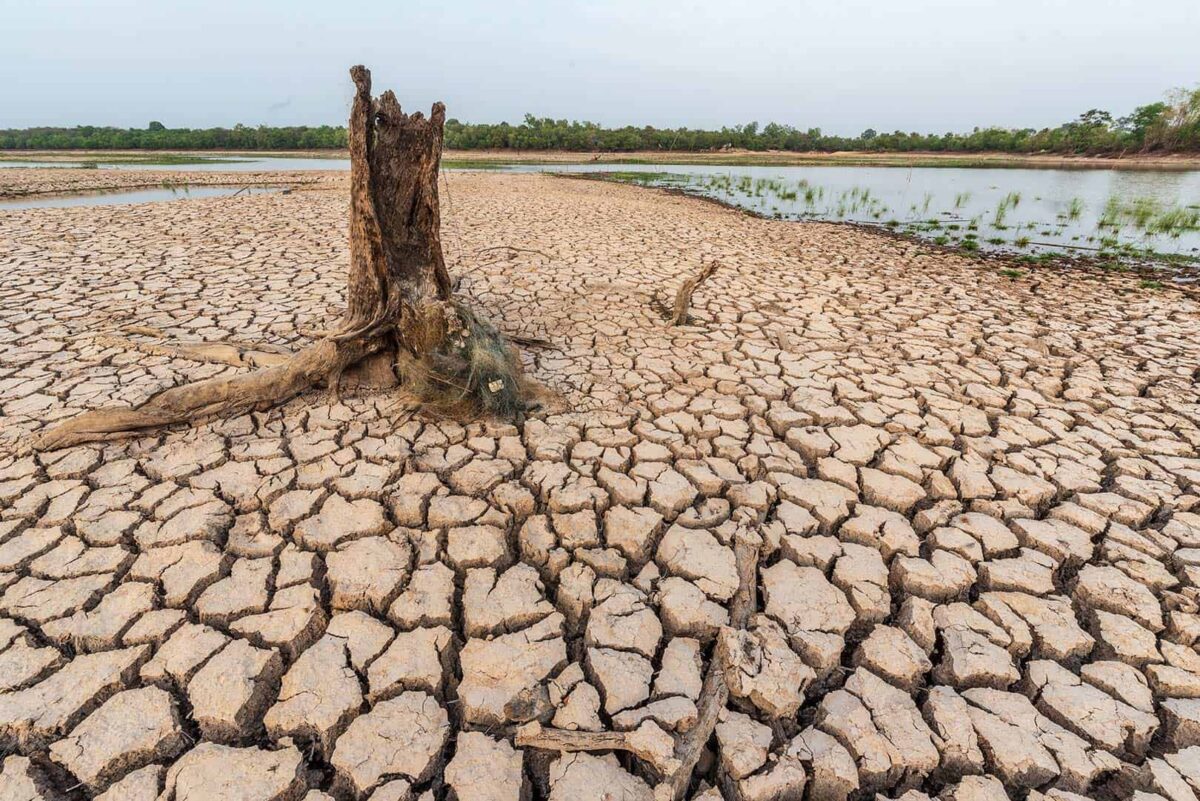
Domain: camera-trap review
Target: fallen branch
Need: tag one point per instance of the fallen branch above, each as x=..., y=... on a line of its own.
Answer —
x=715, y=690
x=747, y=545
x=713, y=695
x=1067, y=247
x=683, y=298
x=647, y=742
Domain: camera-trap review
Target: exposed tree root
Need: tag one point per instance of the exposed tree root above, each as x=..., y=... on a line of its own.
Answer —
x=214, y=397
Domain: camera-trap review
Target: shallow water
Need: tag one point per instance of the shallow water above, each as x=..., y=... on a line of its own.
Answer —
x=34, y=164
x=1031, y=211
x=249, y=164
x=229, y=164
x=128, y=196
x=1020, y=210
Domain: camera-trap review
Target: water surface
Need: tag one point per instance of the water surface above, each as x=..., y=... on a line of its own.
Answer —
x=128, y=196
x=1030, y=211
x=214, y=164
x=1021, y=210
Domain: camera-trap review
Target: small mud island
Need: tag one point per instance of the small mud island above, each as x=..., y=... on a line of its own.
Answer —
x=878, y=518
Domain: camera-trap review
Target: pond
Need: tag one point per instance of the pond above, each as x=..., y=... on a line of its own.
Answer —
x=128, y=196
x=1147, y=215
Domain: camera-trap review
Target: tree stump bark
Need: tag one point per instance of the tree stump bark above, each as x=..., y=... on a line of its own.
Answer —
x=397, y=275
x=398, y=299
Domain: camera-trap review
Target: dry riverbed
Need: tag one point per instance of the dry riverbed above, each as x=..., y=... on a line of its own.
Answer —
x=976, y=499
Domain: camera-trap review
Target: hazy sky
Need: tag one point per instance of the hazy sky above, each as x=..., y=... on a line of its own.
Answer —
x=842, y=65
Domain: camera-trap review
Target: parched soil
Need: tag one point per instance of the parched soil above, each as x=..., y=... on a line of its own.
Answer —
x=975, y=504
x=16, y=182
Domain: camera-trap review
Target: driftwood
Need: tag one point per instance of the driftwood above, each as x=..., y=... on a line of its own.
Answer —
x=398, y=299
x=683, y=298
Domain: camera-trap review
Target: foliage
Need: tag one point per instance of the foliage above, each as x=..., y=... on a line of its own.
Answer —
x=1164, y=127
x=158, y=137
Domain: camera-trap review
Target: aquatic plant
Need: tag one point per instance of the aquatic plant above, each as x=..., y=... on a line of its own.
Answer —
x=1149, y=217
x=1009, y=201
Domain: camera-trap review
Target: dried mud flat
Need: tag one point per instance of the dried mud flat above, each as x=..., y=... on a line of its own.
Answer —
x=976, y=497
x=19, y=182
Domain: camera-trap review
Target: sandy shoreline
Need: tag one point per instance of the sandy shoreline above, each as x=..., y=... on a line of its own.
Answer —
x=978, y=500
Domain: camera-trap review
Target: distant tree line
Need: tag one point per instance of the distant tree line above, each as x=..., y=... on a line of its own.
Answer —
x=157, y=136
x=1164, y=127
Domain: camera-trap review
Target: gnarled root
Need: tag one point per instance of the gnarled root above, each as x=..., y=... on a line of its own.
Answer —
x=461, y=366
x=210, y=398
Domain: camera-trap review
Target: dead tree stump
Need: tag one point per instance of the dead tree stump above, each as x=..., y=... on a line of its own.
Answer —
x=398, y=299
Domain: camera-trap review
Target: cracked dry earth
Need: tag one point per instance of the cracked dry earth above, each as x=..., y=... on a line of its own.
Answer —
x=977, y=500
x=20, y=181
